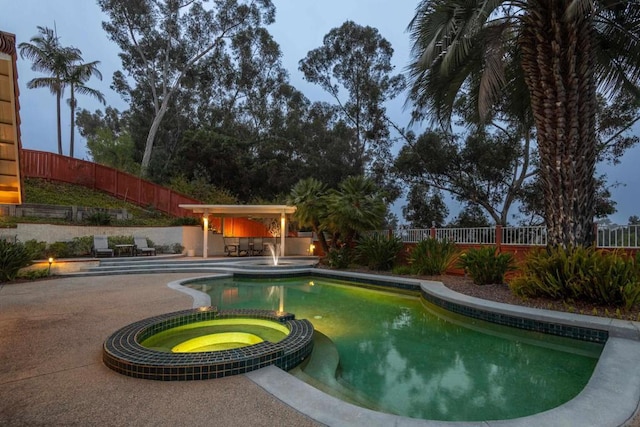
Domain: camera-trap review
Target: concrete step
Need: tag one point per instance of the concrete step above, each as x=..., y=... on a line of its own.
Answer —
x=147, y=265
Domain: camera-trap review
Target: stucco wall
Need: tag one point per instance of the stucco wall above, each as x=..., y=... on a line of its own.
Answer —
x=60, y=233
x=188, y=236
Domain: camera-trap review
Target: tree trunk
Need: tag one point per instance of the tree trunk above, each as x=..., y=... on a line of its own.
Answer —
x=151, y=136
x=59, y=124
x=72, y=106
x=557, y=61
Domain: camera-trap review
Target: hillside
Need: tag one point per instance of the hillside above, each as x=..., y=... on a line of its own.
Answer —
x=39, y=191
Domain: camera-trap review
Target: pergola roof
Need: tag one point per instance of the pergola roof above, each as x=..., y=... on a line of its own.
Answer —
x=245, y=211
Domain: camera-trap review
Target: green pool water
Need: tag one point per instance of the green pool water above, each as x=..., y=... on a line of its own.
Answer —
x=401, y=356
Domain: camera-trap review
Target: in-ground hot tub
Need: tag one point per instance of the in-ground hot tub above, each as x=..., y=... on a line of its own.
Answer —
x=205, y=343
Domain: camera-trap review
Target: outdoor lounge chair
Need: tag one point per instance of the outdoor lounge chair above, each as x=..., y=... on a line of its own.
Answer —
x=256, y=246
x=101, y=247
x=141, y=246
x=243, y=246
x=231, y=245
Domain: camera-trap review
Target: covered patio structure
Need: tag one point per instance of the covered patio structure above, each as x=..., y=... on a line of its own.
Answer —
x=241, y=211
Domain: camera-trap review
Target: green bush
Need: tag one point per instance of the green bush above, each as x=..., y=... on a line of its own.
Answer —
x=186, y=220
x=81, y=246
x=37, y=250
x=59, y=250
x=40, y=273
x=378, y=252
x=119, y=240
x=98, y=218
x=13, y=257
x=339, y=257
x=486, y=265
x=585, y=274
x=402, y=270
x=432, y=257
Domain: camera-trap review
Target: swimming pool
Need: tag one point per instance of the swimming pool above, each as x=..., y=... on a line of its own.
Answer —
x=402, y=356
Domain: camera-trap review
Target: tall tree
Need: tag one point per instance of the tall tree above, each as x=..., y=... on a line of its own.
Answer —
x=482, y=168
x=562, y=50
x=163, y=41
x=50, y=57
x=425, y=207
x=77, y=76
x=354, y=66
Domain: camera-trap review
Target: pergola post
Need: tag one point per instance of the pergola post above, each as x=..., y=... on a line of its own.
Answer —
x=283, y=223
x=205, y=237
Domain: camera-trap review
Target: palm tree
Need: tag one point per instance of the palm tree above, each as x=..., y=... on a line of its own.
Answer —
x=553, y=54
x=77, y=76
x=308, y=196
x=355, y=207
x=49, y=57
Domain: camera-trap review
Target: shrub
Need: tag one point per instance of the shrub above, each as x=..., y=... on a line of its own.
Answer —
x=120, y=240
x=339, y=257
x=81, y=246
x=37, y=250
x=432, y=257
x=59, y=250
x=34, y=274
x=378, y=252
x=486, y=265
x=13, y=257
x=402, y=270
x=586, y=274
x=185, y=220
x=98, y=218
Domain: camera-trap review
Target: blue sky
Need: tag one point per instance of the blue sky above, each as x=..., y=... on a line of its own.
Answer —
x=300, y=26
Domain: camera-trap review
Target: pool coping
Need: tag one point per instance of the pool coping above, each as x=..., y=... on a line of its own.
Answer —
x=610, y=398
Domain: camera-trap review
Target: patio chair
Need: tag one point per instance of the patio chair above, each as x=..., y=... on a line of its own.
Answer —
x=101, y=247
x=231, y=245
x=141, y=246
x=243, y=246
x=257, y=248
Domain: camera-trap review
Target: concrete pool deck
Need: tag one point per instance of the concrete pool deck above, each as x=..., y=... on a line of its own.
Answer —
x=51, y=370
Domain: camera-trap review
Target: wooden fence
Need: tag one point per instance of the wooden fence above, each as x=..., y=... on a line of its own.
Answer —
x=133, y=189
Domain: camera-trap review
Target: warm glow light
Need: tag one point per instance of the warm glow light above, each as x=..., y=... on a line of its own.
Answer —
x=312, y=247
x=50, y=260
x=216, y=342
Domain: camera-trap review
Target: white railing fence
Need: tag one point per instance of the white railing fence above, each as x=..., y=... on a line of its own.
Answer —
x=616, y=236
x=528, y=236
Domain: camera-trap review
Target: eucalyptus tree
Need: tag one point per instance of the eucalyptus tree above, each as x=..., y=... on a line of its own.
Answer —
x=354, y=66
x=563, y=51
x=164, y=41
x=77, y=75
x=482, y=168
x=50, y=57
x=425, y=207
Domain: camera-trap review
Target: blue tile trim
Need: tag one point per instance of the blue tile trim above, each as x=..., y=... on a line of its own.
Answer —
x=577, y=332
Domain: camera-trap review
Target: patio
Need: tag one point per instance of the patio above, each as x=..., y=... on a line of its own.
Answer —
x=51, y=336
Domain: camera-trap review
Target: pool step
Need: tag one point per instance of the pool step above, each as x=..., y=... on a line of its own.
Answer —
x=320, y=371
x=146, y=265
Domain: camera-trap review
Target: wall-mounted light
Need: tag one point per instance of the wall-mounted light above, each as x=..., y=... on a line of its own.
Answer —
x=312, y=247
